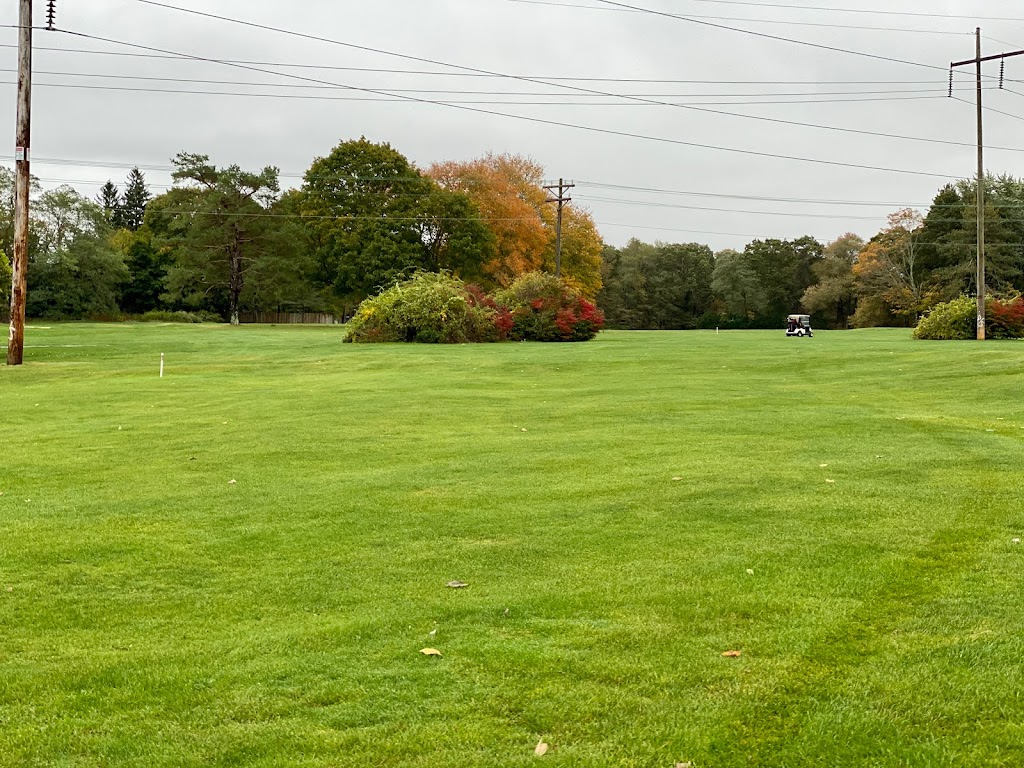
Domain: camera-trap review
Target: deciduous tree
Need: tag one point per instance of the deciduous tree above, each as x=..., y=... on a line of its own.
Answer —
x=373, y=219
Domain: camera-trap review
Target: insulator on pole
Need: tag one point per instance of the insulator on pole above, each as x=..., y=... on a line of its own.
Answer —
x=51, y=15
x=951, y=82
x=1002, y=72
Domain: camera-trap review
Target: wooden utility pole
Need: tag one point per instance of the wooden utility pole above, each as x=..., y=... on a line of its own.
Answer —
x=562, y=188
x=16, y=338
x=977, y=61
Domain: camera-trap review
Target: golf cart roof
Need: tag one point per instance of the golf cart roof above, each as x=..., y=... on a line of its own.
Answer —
x=799, y=317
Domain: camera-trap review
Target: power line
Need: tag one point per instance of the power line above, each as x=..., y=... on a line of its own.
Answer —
x=990, y=109
x=507, y=102
x=479, y=75
x=153, y=167
x=856, y=10
x=891, y=91
x=800, y=214
x=559, y=85
x=765, y=35
x=119, y=165
x=435, y=62
x=754, y=21
x=525, y=118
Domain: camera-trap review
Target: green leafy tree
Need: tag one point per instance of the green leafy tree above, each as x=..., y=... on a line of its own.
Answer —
x=735, y=285
x=374, y=218
x=217, y=224
x=624, y=293
x=73, y=272
x=657, y=286
x=784, y=271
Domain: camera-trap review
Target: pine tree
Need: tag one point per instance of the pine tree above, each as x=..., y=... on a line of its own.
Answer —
x=110, y=198
x=136, y=198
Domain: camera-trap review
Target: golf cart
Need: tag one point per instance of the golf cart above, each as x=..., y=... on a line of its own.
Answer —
x=799, y=325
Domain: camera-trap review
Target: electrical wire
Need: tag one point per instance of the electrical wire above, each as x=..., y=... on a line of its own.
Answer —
x=891, y=91
x=988, y=109
x=786, y=22
x=765, y=35
x=647, y=204
x=505, y=102
x=526, y=118
x=741, y=116
x=857, y=10
x=152, y=167
x=179, y=58
x=601, y=93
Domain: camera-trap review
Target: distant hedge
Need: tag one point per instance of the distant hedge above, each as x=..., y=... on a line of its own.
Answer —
x=436, y=308
x=957, y=319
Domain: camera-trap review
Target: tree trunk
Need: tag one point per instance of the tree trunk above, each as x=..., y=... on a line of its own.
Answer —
x=236, y=286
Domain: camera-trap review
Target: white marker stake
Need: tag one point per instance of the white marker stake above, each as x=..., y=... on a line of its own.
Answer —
x=161, y=365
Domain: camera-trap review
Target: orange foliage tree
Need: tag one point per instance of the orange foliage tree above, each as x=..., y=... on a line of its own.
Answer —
x=508, y=190
x=887, y=268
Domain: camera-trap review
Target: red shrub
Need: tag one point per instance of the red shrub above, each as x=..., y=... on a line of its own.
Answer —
x=1005, y=318
x=504, y=322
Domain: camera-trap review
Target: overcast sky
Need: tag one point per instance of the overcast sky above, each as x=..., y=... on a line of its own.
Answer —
x=103, y=131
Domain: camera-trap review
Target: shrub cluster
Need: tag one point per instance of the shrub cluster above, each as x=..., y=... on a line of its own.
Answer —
x=540, y=307
x=957, y=319
x=437, y=308
x=1004, y=319
x=162, y=316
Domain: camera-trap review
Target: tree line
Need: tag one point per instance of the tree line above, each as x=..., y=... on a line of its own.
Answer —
x=224, y=240
x=912, y=264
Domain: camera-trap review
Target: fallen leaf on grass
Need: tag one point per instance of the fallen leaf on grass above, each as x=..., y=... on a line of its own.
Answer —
x=830, y=481
x=676, y=479
x=823, y=465
x=456, y=584
x=684, y=765
x=732, y=654
x=541, y=750
x=232, y=482
x=1015, y=541
x=750, y=571
x=431, y=652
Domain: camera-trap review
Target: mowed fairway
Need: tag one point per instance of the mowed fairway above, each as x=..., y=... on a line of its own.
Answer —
x=154, y=614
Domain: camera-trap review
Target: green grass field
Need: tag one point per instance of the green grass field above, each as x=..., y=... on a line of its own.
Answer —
x=154, y=614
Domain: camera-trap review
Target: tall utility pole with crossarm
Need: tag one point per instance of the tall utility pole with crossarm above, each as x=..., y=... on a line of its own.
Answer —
x=978, y=60
x=562, y=190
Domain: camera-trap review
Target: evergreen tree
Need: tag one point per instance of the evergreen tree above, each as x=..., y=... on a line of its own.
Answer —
x=110, y=199
x=133, y=204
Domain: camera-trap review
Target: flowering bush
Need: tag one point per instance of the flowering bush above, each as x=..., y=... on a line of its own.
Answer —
x=439, y=308
x=543, y=308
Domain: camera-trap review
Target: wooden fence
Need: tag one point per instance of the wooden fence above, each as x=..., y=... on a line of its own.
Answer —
x=288, y=318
